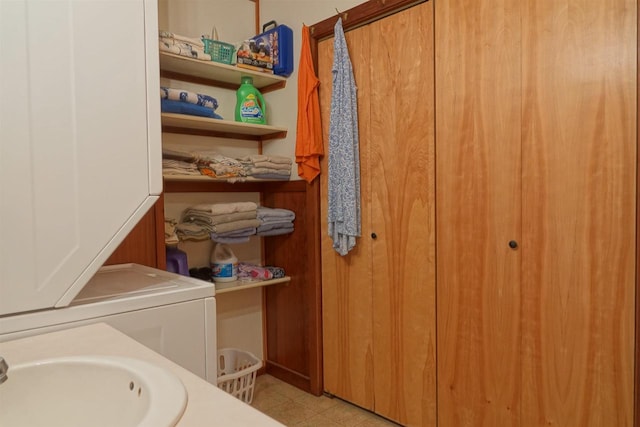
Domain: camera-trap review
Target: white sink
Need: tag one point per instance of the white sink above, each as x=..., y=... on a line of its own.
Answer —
x=91, y=391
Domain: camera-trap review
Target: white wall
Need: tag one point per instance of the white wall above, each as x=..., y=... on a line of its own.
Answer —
x=239, y=313
x=283, y=103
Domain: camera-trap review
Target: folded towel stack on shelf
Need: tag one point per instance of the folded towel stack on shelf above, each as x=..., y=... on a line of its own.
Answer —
x=260, y=166
x=232, y=222
x=227, y=222
x=214, y=165
x=182, y=101
x=210, y=164
x=274, y=221
x=182, y=45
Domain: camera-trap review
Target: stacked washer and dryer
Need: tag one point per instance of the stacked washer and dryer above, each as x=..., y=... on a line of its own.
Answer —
x=172, y=314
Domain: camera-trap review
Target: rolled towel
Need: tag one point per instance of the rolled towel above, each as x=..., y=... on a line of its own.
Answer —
x=189, y=97
x=253, y=271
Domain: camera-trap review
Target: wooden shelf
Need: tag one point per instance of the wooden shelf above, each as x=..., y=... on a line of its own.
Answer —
x=215, y=74
x=204, y=126
x=174, y=184
x=239, y=285
x=202, y=178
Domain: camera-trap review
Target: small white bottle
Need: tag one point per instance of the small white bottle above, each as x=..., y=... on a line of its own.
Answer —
x=224, y=264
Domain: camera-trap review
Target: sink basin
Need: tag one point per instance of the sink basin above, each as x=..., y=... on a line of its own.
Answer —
x=91, y=391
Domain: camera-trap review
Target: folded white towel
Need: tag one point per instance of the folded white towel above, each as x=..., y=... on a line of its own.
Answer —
x=191, y=40
x=225, y=208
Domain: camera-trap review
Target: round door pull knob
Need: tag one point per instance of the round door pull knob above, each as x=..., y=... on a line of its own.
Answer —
x=513, y=244
x=374, y=236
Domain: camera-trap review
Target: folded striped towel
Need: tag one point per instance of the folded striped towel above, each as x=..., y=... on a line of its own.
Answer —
x=188, y=96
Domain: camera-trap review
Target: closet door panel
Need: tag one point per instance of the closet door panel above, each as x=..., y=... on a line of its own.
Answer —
x=579, y=142
x=478, y=101
x=401, y=150
x=347, y=281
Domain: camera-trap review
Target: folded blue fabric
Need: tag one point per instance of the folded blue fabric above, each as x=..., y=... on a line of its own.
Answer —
x=276, y=231
x=178, y=107
x=187, y=96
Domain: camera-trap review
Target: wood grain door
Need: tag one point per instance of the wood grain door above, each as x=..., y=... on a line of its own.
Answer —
x=347, y=281
x=578, y=246
x=536, y=143
x=379, y=300
x=478, y=203
x=401, y=163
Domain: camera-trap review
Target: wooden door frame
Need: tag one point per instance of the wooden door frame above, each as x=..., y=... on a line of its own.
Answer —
x=353, y=18
x=637, y=346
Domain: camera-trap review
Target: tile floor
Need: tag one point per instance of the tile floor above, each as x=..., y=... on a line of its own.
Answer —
x=296, y=408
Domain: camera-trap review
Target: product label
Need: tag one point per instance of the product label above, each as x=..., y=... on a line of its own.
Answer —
x=224, y=270
x=250, y=108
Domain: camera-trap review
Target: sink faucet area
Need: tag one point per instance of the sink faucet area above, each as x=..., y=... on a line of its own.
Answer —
x=91, y=390
x=95, y=375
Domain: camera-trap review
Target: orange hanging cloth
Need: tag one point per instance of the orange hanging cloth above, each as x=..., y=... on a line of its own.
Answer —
x=309, y=146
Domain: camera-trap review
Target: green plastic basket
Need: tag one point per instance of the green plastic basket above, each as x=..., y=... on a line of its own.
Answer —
x=219, y=51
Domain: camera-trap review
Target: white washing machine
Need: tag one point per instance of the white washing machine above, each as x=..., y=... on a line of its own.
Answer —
x=173, y=315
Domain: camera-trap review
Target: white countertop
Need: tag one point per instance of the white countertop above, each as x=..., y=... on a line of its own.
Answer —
x=207, y=405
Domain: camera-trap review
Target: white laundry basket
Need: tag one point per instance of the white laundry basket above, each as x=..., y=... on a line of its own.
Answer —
x=237, y=371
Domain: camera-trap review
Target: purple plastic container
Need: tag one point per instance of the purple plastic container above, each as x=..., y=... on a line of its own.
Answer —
x=177, y=261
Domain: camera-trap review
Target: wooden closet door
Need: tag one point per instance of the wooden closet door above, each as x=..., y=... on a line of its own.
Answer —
x=478, y=101
x=401, y=170
x=347, y=310
x=578, y=249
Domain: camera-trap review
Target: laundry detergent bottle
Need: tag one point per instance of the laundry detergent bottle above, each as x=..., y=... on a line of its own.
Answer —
x=250, y=105
x=224, y=264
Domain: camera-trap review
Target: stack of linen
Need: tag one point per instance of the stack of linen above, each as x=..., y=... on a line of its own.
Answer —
x=274, y=221
x=170, y=236
x=267, y=167
x=209, y=163
x=222, y=222
x=182, y=45
x=180, y=101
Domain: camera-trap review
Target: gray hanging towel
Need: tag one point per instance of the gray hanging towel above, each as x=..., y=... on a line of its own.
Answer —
x=344, y=157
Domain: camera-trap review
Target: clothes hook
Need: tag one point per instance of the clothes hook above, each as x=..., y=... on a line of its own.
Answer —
x=343, y=15
x=340, y=14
